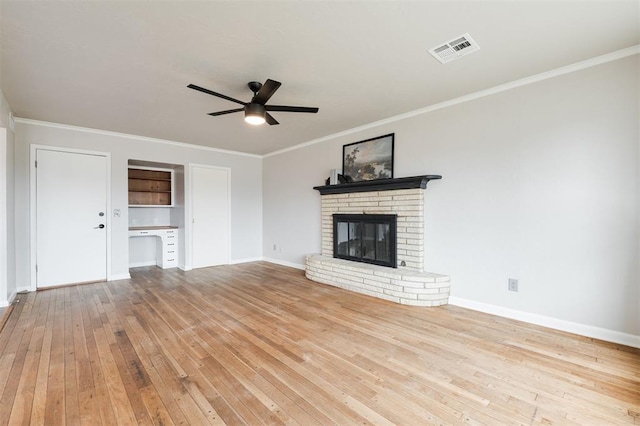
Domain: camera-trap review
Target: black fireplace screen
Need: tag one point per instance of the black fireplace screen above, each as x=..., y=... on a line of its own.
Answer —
x=368, y=238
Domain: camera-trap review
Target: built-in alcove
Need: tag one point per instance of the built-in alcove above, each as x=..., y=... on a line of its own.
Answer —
x=156, y=213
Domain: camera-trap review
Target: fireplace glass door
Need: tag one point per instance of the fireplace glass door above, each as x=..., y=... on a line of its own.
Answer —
x=365, y=238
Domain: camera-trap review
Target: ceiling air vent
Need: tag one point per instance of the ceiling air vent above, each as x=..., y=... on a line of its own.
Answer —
x=455, y=49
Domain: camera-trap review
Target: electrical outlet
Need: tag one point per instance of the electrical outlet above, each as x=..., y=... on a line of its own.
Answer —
x=274, y=247
x=513, y=284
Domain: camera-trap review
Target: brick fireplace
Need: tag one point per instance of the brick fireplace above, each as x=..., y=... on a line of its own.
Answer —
x=408, y=283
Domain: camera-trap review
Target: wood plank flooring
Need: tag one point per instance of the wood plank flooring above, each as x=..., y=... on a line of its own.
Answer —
x=259, y=344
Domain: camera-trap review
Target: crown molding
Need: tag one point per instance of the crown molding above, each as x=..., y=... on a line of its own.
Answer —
x=598, y=60
x=128, y=136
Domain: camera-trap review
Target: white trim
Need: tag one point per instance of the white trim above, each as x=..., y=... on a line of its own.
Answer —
x=32, y=206
x=119, y=277
x=284, y=263
x=598, y=60
x=129, y=136
x=145, y=263
x=246, y=260
x=188, y=214
x=10, y=299
x=557, y=324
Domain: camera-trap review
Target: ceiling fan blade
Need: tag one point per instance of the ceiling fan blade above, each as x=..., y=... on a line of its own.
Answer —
x=271, y=120
x=210, y=92
x=284, y=108
x=229, y=111
x=266, y=91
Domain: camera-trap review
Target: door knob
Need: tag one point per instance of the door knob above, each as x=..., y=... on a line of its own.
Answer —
x=101, y=226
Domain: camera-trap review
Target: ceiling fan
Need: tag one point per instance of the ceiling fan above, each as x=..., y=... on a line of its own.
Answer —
x=255, y=111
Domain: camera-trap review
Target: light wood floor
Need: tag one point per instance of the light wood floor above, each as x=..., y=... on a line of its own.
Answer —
x=260, y=344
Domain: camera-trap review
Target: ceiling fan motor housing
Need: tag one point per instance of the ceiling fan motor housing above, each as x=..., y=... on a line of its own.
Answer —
x=254, y=109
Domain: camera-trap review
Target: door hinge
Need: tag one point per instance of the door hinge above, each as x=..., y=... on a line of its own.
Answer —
x=36, y=268
x=36, y=164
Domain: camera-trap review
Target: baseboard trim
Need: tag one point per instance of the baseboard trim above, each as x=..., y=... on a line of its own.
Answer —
x=284, y=263
x=246, y=260
x=140, y=264
x=545, y=321
x=120, y=276
x=9, y=301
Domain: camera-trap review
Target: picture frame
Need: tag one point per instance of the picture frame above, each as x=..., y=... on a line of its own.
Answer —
x=370, y=159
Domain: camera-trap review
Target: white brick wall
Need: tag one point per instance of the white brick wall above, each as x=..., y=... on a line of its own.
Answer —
x=401, y=285
x=408, y=285
x=408, y=204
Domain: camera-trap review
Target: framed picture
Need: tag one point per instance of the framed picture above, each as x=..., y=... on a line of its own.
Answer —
x=370, y=159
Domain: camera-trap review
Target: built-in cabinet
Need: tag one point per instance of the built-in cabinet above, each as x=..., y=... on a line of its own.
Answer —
x=167, y=249
x=150, y=187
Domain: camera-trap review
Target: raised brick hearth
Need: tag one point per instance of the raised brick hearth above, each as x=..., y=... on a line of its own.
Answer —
x=408, y=284
x=400, y=285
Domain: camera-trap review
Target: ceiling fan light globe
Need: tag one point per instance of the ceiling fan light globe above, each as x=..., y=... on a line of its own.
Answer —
x=255, y=113
x=254, y=119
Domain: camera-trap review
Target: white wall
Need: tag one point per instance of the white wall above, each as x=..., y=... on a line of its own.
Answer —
x=7, y=207
x=246, y=177
x=540, y=183
x=7, y=200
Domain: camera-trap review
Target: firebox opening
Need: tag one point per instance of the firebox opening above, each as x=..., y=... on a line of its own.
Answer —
x=368, y=238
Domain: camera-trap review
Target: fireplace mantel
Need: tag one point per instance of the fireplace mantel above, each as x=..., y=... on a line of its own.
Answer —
x=378, y=185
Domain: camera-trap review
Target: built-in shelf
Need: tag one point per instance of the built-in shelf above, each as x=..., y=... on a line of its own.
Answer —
x=378, y=185
x=150, y=187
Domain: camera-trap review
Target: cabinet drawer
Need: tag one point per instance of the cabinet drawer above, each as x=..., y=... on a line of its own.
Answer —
x=141, y=233
x=170, y=263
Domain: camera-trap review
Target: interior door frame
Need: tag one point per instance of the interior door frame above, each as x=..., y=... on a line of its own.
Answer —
x=33, y=241
x=188, y=258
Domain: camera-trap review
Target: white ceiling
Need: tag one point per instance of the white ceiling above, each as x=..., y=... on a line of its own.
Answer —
x=124, y=66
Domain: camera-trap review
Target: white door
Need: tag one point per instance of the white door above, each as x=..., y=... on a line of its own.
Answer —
x=71, y=203
x=210, y=216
